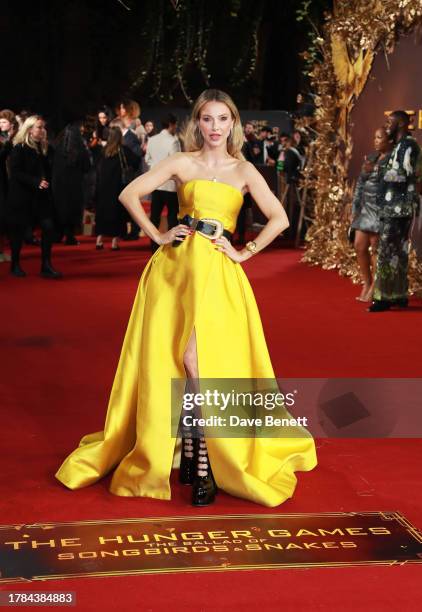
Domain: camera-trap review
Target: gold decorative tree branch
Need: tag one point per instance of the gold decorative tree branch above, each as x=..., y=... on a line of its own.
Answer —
x=352, y=36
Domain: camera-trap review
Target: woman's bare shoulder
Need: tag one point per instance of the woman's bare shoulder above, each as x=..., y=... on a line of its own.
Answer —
x=183, y=158
x=179, y=162
x=183, y=164
x=191, y=157
x=242, y=164
x=246, y=169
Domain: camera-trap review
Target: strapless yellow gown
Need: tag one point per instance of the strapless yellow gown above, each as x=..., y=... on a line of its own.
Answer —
x=192, y=286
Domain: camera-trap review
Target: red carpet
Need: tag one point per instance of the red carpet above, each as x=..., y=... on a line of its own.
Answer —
x=60, y=345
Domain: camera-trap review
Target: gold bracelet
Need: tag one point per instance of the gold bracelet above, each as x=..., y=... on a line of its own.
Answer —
x=251, y=247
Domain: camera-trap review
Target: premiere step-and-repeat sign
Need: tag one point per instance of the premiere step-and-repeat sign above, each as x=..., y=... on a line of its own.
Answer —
x=210, y=543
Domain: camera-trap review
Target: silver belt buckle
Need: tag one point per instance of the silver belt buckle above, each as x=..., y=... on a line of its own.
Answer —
x=194, y=223
x=218, y=229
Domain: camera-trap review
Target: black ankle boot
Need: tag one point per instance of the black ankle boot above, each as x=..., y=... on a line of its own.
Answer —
x=47, y=271
x=187, y=460
x=401, y=302
x=71, y=241
x=16, y=270
x=204, y=488
x=15, y=265
x=379, y=306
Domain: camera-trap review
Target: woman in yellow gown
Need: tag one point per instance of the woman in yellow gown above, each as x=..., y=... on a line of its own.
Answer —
x=194, y=316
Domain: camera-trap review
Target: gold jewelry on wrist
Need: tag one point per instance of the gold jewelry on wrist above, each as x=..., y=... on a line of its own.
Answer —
x=251, y=247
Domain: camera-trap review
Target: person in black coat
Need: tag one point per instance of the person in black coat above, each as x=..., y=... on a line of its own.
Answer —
x=131, y=141
x=292, y=167
x=71, y=163
x=8, y=128
x=5, y=148
x=29, y=200
x=113, y=172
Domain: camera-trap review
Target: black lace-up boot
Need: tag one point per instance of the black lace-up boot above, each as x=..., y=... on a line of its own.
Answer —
x=204, y=488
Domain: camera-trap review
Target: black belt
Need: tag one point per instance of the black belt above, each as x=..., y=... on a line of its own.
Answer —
x=209, y=228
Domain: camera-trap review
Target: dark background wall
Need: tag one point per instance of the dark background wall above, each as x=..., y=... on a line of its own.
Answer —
x=391, y=86
x=65, y=58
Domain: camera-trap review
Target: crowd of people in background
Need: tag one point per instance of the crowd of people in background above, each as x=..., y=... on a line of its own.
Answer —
x=287, y=154
x=48, y=182
x=269, y=147
x=49, y=185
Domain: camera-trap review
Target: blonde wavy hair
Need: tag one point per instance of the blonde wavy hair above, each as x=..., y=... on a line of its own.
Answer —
x=192, y=137
x=23, y=135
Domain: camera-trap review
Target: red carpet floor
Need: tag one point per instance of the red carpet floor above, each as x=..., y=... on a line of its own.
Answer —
x=60, y=344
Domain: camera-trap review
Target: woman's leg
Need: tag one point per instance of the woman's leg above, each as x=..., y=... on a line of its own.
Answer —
x=115, y=243
x=69, y=232
x=16, y=235
x=373, y=241
x=3, y=256
x=188, y=458
x=204, y=489
x=47, y=236
x=99, y=242
x=364, y=262
x=190, y=358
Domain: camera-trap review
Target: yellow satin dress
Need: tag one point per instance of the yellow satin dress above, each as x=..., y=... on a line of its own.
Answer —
x=192, y=286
